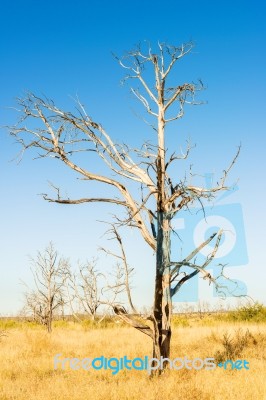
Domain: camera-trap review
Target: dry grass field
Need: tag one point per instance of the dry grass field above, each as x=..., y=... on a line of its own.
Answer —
x=27, y=369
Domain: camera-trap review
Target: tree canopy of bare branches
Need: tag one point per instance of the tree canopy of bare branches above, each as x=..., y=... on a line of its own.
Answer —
x=60, y=134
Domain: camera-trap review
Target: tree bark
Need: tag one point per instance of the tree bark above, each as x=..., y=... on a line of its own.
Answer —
x=49, y=319
x=162, y=299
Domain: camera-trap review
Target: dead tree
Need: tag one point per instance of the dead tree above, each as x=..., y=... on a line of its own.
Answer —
x=70, y=288
x=123, y=271
x=60, y=134
x=87, y=289
x=47, y=296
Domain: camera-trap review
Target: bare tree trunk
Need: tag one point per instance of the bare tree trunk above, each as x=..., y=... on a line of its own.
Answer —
x=162, y=300
x=49, y=325
x=49, y=319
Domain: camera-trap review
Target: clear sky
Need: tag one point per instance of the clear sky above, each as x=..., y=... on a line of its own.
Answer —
x=63, y=48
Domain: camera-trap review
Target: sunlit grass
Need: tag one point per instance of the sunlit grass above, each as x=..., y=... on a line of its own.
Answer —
x=27, y=370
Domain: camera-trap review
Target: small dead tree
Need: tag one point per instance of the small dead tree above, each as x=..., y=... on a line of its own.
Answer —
x=60, y=134
x=49, y=274
x=123, y=270
x=87, y=288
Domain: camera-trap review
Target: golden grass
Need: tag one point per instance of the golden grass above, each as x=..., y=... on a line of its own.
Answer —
x=27, y=371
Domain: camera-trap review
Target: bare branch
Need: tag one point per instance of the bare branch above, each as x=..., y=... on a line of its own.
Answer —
x=197, y=268
x=133, y=321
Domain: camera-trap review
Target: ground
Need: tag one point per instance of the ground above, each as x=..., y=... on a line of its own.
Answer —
x=27, y=362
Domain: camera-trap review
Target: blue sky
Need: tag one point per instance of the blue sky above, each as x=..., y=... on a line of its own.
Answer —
x=62, y=49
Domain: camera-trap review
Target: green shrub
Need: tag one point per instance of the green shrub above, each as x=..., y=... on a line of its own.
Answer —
x=17, y=324
x=61, y=323
x=252, y=312
x=179, y=321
